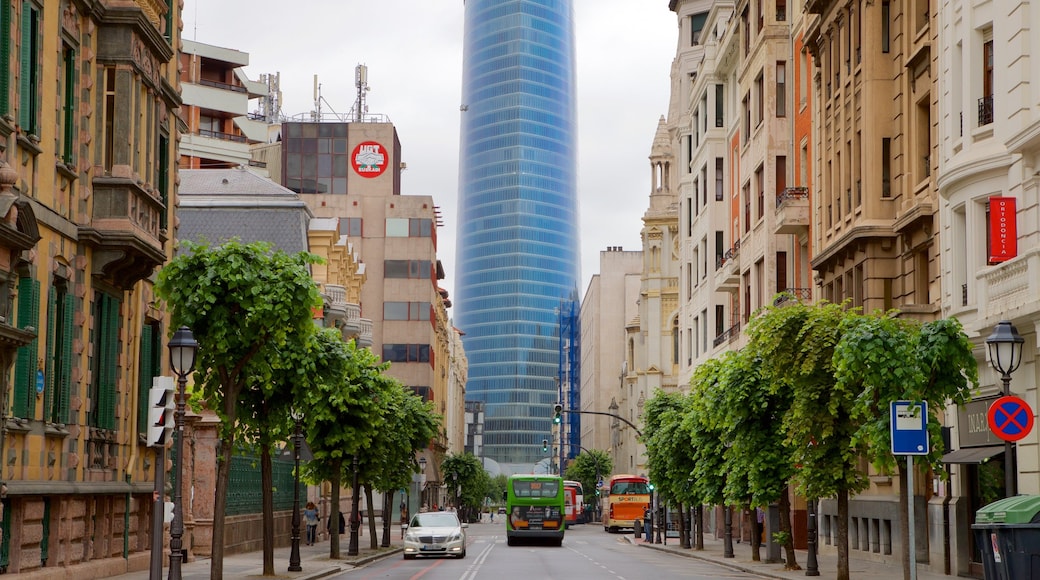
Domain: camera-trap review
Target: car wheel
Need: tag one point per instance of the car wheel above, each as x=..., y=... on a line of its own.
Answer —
x=462, y=554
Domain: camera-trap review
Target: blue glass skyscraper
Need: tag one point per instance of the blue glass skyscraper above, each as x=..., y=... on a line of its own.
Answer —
x=518, y=256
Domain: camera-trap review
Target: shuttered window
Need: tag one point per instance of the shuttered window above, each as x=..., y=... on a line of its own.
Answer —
x=106, y=357
x=24, y=403
x=150, y=366
x=60, y=310
x=5, y=57
x=28, y=73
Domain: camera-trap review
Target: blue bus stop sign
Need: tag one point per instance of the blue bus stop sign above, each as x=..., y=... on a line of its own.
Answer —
x=909, y=425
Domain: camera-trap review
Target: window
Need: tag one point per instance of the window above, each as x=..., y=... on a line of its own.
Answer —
x=747, y=207
x=747, y=117
x=407, y=269
x=719, y=179
x=696, y=25
x=5, y=57
x=720, y=248
x=745, y=27
x=68, y=105
x=406, y=311
x=406, y=352
x=409, y=227
x=720, y=105
x=675, y=341
x=781, y=89
x=151, y=354
x=29, y=73
x=886, y=167
x=781, y=10
x=720, y=319
x=760, y=190
x=24, y=403
x=350, y=227
x=759, y=99
x=110, y=119
x=162, y=177
x=104, y=361
x=781, y=174
x=986, y=102
x=886, y=19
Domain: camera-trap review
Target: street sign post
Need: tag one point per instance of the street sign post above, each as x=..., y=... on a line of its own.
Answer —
x=909, y=427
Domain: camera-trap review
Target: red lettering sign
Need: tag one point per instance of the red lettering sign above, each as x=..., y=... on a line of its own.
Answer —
x=1003, y=230
x=369, y=159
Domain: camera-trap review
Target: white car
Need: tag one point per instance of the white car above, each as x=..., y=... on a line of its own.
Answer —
x=435, y=534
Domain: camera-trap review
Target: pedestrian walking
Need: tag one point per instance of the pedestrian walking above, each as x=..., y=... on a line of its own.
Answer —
x=310, y=517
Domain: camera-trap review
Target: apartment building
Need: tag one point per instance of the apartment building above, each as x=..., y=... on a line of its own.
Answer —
x=88, y=134
x=216, y=94
x=610, y=301
x=988, y=183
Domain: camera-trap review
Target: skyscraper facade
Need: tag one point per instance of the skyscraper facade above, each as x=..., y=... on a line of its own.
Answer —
x=518, y=255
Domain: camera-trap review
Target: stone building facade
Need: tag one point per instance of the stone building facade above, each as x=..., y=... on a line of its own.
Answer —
x=88, y=137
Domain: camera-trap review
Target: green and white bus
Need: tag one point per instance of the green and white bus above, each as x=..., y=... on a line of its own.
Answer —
x=535, y=508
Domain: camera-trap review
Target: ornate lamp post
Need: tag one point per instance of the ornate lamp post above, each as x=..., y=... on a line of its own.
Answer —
x=422, y=483
x=812, y=566
x=183, y=349
x=1005, y=354
x=294, y=553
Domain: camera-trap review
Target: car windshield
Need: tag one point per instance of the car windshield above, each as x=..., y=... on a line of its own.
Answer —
x=435, y=520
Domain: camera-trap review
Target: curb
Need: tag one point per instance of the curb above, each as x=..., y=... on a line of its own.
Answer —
x=696, y=556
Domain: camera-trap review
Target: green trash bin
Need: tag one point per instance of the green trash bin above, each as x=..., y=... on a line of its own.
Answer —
x=1007, y=532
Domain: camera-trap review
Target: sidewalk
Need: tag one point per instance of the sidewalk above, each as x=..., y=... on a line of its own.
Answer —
x=861, y=567
x=314, y=560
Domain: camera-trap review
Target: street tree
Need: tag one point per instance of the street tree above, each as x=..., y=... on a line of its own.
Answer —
x=888, y=358
x=795, y=344
x=706, y=440
x=243, y=302
x=471, y=482
x=669, y=456
x=340, y=416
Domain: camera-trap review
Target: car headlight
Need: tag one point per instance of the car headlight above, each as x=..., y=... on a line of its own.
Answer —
x=455, y=537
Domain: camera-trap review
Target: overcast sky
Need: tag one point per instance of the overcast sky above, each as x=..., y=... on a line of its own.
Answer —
x=413, y=49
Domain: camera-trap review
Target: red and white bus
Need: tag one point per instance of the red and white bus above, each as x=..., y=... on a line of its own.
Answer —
x=627, y=497
x=574, y=500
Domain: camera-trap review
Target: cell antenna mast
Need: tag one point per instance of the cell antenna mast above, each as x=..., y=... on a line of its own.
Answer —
x=361, y=82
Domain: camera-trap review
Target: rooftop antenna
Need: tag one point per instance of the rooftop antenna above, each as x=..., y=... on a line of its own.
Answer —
x=316, y=113
x=361, y=82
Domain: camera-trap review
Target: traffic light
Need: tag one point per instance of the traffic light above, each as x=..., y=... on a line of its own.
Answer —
x=557, y=413
x=651, y=486
x=160, y=411
x=545, y=445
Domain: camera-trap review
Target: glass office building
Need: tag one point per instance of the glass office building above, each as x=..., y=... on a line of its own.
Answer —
x=518, y=254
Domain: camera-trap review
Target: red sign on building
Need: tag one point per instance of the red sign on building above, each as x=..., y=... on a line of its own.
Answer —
x=1003, y=231
x=369, y=159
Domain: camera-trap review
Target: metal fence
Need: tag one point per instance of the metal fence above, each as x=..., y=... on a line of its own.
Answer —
x=244, y=489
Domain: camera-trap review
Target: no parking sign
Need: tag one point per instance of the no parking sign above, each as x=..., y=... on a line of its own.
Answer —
x=1010, y=418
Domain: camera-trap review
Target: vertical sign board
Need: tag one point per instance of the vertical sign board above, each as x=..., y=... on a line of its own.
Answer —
x=1003, y=229
x=909, y=425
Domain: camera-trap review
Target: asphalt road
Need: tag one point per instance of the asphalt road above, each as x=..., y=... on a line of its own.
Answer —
x=587, y=552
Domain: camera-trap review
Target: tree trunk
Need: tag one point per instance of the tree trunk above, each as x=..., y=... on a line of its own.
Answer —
x=684, y=540
x=791, y=562
x=334, y=553
x=216, y=562
x=267, y=500
x=904, y=517
x=843, y=534
x=700, y=526
x=388, y=502
x=373, y=539
x=756, y=533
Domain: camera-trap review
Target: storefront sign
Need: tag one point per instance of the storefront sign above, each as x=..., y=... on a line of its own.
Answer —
x=973, y=424
x=1003, y=230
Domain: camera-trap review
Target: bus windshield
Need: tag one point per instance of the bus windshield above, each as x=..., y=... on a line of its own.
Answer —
x=528, y=488
x=629, y=488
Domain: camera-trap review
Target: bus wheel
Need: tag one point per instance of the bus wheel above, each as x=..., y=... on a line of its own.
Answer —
x=613, y=529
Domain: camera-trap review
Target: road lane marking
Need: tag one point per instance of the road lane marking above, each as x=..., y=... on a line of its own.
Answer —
x=474, y=567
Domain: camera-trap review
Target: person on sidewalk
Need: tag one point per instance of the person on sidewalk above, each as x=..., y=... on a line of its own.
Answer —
x=310, y=517
x=342, y=524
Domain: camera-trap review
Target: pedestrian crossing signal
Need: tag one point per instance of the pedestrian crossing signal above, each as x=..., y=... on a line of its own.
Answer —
x=545, y=445
x=160, y=411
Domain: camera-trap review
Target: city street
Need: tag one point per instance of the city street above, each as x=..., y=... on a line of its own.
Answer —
x=587, y=552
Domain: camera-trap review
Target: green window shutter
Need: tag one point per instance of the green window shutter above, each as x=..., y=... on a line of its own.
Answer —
x=52, y=336
x=69, y=122
x=25, y=363
x=5, y=529
x=25, y=91
x=144, y=381
x=111, y=359
x=65, y=378
x=5, y=57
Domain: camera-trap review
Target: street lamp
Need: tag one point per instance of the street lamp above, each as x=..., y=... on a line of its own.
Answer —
x=183, y=349
x=422, y=484
x=294, y=553
x=455, y=490
x=1005, y=354
x=355, y=517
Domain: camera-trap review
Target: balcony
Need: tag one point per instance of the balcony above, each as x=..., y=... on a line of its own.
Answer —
x=727, y=270
x=792, y=211
x=985, y=111
x=728, y=335
x=364, y=337
x=793, y=296
x=335, y=304
x=124, y=231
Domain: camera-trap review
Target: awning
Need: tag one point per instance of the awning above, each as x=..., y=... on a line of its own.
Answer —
x=973, y=455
